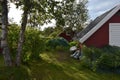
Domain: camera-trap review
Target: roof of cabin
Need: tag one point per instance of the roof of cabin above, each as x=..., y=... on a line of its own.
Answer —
x=93, y=24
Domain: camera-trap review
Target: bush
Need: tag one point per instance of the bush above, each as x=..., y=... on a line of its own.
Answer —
x=110, y=61
x=33, y=45
x=92, y=53
x=57, y=43
x=13, y=37
x=106, y=58
x=90, y=57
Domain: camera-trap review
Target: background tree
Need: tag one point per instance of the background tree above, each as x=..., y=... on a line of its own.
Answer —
x=48, y=31
x=42, y=12
x=76, y=16
x=71, y=15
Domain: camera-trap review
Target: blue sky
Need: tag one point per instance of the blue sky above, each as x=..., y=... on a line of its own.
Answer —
x=97, y=7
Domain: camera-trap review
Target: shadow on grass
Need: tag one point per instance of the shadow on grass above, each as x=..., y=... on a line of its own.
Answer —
x=48, y=71
x=51, y=68
x=14, y=73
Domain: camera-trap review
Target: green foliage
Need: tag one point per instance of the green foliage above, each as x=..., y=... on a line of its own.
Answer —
x=57, y=43
x=107, y=58
x=13, y=33
x=34, y=43
x=54, y=34
x=48, y=31
x=73, y=43
x=92, y=53
x=51, y=32
x=111, y=58
x=75, y=14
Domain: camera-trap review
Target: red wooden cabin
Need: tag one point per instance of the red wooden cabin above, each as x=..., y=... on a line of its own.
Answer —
x=65, y=36
x=104, y=30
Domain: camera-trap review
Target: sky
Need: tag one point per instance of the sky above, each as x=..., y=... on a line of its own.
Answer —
x=98, y=7
x=95, y=8
x=14, y=13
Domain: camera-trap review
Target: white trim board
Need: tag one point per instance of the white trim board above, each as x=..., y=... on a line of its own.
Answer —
x=104, y=20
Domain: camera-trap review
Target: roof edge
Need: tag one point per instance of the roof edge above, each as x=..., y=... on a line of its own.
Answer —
x=104, y=20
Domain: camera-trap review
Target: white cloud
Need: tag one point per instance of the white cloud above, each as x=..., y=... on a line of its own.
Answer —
x=97, y=7
x=52, y=24
x=15, y=13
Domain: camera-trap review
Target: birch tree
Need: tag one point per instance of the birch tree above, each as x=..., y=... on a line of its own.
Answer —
x=39, y=11
x=26, y=8
x=4, y=33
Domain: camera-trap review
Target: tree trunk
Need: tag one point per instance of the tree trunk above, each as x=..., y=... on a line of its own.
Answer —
x=4, y=33
x=21, y=36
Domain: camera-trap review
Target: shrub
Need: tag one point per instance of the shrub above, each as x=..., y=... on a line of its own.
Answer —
x=13, y=37
x=106, y=58
x=92, y=53
x=86, y=62
x=57, y=43
x=110, y=61
x=33, y=45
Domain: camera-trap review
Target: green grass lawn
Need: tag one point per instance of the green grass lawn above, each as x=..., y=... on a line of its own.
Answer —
x=59, y=66
x=56, y=66
x=1, y=60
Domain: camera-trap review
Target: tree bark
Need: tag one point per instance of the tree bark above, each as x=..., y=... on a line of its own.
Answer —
x=4, y=33
x=21, y=35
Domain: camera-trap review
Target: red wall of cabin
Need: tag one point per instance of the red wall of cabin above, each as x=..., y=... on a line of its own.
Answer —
x=101, y=37
x=65, y=36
